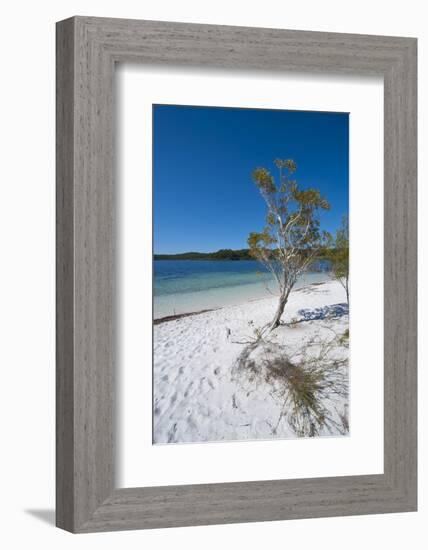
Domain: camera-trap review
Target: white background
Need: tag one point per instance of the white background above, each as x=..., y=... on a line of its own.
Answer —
x=27, y=286
x=360, y=453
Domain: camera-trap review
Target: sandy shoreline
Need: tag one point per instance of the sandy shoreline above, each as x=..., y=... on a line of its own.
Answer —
x=167, y=318
x=166, y=304
x=198, y=394
x=180, y=316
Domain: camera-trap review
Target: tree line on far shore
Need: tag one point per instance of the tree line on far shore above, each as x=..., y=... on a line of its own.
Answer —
x=223, y=254
x=229, y=254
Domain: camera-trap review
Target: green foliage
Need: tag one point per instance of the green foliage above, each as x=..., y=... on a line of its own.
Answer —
x=292, y=234
x=260, y=243
x=264, y=180
x=338, y=254
x=344, y=339
x=288, y=163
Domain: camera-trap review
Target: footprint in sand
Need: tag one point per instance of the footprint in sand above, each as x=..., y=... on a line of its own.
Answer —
x=206, y=385
x=189, y=387
x=171, y=434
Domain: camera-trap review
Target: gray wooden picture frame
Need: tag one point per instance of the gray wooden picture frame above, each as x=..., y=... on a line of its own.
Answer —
x=87, y=50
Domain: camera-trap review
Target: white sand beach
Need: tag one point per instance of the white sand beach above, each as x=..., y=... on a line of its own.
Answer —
x=203, y=393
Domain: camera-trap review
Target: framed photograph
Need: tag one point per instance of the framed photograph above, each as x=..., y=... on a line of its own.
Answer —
x=251, y=334
x=236, y=274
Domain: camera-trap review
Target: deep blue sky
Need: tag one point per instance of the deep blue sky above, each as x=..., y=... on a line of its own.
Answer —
x=203, y=157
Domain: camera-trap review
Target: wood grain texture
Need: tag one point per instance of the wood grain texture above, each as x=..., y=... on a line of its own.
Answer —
x=87, y=50
x=64, y=276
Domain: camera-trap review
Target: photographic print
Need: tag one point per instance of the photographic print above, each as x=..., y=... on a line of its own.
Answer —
x=250, y=274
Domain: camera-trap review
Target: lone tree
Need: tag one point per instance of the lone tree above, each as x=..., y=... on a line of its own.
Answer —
x=338, y=254
x=292, y=237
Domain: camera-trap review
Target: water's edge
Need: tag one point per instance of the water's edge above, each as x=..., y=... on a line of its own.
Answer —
x=183, y=289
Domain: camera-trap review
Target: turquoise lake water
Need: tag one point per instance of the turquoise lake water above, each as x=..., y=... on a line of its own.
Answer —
x=182, y=286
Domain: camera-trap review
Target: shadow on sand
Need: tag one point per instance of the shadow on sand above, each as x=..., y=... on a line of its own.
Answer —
x=326, y=312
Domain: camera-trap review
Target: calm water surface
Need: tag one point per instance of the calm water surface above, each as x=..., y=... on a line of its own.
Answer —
x=182, y=286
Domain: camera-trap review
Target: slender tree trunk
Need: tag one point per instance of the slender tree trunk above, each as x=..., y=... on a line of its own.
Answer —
x=344, y=283
x=283, y=298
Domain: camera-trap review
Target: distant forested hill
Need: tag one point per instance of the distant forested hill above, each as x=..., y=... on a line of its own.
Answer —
x=224, y=254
